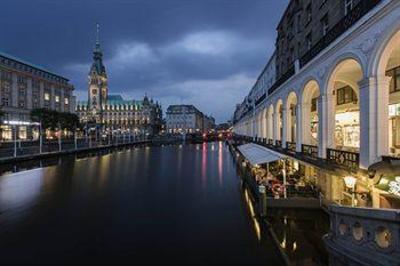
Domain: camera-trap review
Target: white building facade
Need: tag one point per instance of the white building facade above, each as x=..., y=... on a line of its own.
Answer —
x=184, y=119
x=345, y=98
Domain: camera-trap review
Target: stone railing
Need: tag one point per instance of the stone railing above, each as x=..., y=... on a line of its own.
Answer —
x=363, y=236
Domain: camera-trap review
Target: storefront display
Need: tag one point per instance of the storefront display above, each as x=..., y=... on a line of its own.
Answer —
x=347, y=130
x=394, y=129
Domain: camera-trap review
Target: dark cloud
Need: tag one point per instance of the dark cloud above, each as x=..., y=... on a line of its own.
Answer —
x=204, y=52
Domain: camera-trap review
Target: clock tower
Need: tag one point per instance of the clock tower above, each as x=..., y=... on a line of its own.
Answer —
x=98, y=90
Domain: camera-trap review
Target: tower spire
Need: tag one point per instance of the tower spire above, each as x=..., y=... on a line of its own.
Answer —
x=97, y=34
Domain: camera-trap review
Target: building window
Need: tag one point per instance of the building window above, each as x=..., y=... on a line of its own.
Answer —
x=47, y=96
x=346, y=95
x=57, y=98
x=309, y=13
x=325, y=24
x=395, y=81
x=314, y=104
x=309, y=41
x=348, y=6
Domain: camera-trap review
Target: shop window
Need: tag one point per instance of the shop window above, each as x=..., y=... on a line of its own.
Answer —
x=314, y=104
x=395, y=81
x=346, y=95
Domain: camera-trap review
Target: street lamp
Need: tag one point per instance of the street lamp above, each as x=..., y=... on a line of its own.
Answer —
x=350, y=182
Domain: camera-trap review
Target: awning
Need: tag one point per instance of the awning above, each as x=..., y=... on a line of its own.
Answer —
x=257, y=154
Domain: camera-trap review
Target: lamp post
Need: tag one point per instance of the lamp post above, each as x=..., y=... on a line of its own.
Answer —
x=350, y=182
x=40, y=138
x=15, y=141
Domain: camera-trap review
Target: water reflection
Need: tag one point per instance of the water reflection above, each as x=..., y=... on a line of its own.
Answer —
x=20, y=189
x=300, y=234
x=136, y=205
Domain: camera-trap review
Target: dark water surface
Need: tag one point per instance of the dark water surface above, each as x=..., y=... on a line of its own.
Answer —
x=172, y=205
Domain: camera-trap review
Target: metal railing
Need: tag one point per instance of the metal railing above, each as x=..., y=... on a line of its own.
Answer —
x=270, y=142
x=278, y=143
x=337, y=30
x=344, y=158
x=282, y=79
x=309, y=150
x=291, y=146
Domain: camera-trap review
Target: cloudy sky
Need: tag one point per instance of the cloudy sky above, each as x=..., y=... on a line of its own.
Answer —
x=202, y=52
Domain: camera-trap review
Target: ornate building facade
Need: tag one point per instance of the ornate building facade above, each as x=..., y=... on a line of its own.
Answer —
x=113, y=112
x=336, y=112
x=25, y=86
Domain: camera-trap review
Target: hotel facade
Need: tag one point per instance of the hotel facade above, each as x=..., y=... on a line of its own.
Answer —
x=329, y=98
x=24, y=87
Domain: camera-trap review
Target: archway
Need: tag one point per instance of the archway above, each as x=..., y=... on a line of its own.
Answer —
x=343, y=110
x=388, y=101
x=270, y=122
x=291, y=120
x=279, y=120
x=310, y=117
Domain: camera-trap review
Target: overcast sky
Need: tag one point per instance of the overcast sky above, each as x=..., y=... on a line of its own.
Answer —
x=202, y=52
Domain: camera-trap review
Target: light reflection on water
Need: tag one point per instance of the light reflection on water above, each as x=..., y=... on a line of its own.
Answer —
x=128, y=206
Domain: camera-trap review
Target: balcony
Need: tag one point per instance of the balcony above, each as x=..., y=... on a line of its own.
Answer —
x=291, y=146
x=342, y=26
x=346, y=159
x=310, y=151
x=282, y=80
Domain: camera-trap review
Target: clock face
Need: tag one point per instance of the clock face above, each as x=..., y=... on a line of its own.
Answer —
x=94, y=91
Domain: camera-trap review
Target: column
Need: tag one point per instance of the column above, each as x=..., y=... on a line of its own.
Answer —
x=62, y=100
x=284, y=126
x=52, y=97
x=323, y=123
x=275, y=128
x=14, y=90
x=299, y=127
x=29, y=97
x=374, y=119
x=41, y=94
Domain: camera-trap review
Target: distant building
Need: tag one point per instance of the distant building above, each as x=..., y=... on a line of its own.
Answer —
x=208, y=123
x=112, y=112
x=184, y=119
x=25, y=86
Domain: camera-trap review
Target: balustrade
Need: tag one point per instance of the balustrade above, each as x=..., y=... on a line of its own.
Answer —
x=309, y=150
x=363, y=235
x=291, y=146
x=345, y=158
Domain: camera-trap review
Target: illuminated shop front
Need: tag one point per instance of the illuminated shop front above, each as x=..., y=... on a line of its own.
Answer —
x=347, y=129
x=394, y=111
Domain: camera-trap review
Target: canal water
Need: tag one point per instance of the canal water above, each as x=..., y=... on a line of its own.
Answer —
x=171, y=205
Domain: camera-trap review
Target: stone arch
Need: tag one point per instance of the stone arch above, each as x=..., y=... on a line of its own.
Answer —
x=310, y=99
x=270, y=122
x=278, y=121
x=385, y=73
x=343, y=103
x=291, y=117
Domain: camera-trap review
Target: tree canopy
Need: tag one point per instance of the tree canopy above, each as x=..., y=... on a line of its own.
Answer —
x=52, y=120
